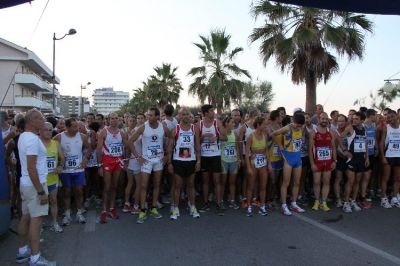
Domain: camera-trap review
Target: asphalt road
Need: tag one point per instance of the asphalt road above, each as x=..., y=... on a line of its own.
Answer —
x=369, y=237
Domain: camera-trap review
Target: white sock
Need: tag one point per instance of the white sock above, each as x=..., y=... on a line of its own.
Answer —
x=67, y=213
x=284, y=205
x=35, y=258
x=23, y=250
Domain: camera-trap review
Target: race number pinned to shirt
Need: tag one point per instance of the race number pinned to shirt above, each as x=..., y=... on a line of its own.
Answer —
x=116, y=149
x=297, y=143
x=359, y=145
x=71, y=162
x=51, y=164
x=371, y=143
x=208, y=147
x=230, y=152
x=275, y=151
x=394, y=146
x=324, y=153
x=154, y=152
x=260, y=160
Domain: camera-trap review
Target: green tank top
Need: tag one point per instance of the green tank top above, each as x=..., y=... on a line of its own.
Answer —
x=228, y=149
x=258, y=144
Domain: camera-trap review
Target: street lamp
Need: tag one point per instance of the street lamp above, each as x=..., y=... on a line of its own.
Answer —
x=70, y=32
x=83, y=87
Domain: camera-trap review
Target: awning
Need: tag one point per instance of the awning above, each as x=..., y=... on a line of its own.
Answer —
x=9, y=3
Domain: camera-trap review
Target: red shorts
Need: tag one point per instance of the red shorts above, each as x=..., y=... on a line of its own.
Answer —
x=323, y=166
x=112, y=164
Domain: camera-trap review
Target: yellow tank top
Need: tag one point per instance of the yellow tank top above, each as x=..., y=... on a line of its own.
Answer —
x=52, y=162
x=258, y=144
x=274, y=154
x=292, y=140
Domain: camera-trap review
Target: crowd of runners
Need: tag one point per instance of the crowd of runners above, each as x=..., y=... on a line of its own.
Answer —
x=247, y=162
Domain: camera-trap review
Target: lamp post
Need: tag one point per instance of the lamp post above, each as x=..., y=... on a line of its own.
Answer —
x=388, y=88
x=70, y=32
x=83, y=87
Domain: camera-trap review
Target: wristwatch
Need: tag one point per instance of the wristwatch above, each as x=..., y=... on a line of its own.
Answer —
x=41, y=193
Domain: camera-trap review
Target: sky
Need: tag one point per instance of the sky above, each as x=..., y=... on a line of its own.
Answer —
x=118, y=43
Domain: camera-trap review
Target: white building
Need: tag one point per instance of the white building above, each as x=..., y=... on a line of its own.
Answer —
x=25, y=81
x=106, y=100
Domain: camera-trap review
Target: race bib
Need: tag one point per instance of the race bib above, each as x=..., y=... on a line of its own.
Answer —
x=208, y=148
x=323, y=153
x=185, y=152
x=371, y=143
x=359, y=145
x=116, y=149
x=71, y=162
x=394, y=145
x=297, y=143
x=154, y=152
x=275, y=151
x=93, y=159
x=260, y=161
x=186, y=138
x=51, y=164
x=230, y=152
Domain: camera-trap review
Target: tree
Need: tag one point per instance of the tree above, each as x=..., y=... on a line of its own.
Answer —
x=216, y=80
x=385, y=95
x=257, y=95
x=139, y=103
x=303, y=39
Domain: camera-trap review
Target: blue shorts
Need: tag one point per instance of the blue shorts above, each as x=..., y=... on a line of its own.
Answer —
x=277, y=165
x=52, y=187
x=231, y=168
x=292, y=158
x=73, y=180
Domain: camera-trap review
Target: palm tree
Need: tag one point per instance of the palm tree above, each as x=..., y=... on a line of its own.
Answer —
x=164, y=87
x=216, y=80
x=303, y=39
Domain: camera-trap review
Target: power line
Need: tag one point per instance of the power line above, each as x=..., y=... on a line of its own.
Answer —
x=38, y=22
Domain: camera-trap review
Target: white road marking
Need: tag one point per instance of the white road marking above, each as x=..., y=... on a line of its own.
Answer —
x=352, y=240
x=90, y=225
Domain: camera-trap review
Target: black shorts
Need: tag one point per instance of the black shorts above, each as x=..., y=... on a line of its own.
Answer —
x=393, y=161
x=184, y=168
x=211, y=164
x=372, y=162
x=356, y=164
x=341, y=164
x=305, y=161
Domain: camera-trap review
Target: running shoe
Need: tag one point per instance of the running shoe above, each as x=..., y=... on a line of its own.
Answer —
x=339, y=203
x=174, y=215
x=66, y=220
x=113, y=213
x=324, y=206
x=249, y=212
x=355, y=206
x=347, y=207
x=222, y=205
x=80, y=218
x=368, y=198
x=233, y=205
x=155, y=214
x=395, y=202
x=178, y=213
x=205, y=208
x=315, y=207
x=142, y=217
x=135, y=210
x=42, y=262
x=365, y=204
x=210, y=197
x=295, y=208
x=194, y=213
x=263, y=210
x=219, y=210
x=160, y=205
x=22, y=258
x=86, y=204
x=103, y=217
x=126, y=208
x=385, y=203
x=56, y=228
x=285, y=210
x=245, y=204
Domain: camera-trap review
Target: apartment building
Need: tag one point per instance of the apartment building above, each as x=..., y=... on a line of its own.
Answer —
x=71, y=105
x=106, y=100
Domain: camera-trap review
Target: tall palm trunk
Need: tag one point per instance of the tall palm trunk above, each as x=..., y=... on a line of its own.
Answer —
x=311, y=94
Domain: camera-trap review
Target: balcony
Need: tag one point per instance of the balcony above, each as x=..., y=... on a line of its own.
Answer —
x=33, y=82
x=32, y=102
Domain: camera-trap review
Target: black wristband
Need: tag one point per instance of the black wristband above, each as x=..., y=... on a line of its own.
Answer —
x=41, y=193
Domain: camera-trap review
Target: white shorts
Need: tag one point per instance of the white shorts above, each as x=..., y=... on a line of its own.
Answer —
x=134, y=166
x=31, y=203
x=153, y=165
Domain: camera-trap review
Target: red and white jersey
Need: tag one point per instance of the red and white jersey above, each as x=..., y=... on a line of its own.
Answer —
x=184, y=144
x=113, y=145
x=208, y=148
x=322, y=145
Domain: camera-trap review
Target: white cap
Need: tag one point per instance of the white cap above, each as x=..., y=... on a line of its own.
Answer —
x=297, y=109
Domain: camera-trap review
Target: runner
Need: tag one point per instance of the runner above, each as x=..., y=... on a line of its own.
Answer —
x=291, y=153
x=322, y=154
x=256, y=162
x=357, y=161
x=130, y=123
x=110, y=150
x=152, y=159
x=305, y=180
x=73, y=176
x=55, y=162
x=185, y=147
x=390, y=156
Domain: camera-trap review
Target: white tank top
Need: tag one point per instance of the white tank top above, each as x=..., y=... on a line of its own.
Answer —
x=92, y=162
x=247, y=133
x=152, y=142
x=210, y=149
x=113, y=145
x=184, y=144
x=392, y=142
x=72, y=151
